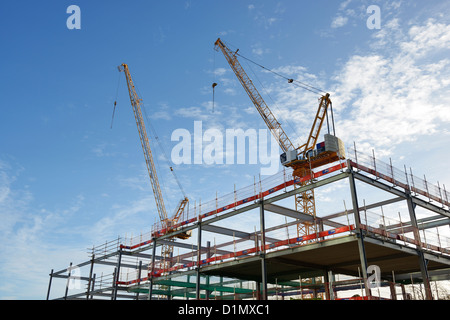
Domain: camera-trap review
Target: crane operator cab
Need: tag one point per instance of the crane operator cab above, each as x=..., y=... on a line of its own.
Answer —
x=330, y=150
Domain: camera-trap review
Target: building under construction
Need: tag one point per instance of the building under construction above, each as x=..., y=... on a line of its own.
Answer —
x=274, y=239
x=273, y=262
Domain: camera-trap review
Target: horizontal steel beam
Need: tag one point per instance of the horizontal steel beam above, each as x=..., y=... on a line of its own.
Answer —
x=400, y=193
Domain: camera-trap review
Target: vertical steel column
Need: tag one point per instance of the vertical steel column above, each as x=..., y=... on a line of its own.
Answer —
x=329, y=284
x=113, y=286
x=199, y=254
x=359, y=232
x=90, y=277
x=262, y=253
x=116, y=278
x=93, y=286
x=208, y=255
x=150, y=289
x=68, y=280
x=422, y=263
x=49, y=284
x=139, y=279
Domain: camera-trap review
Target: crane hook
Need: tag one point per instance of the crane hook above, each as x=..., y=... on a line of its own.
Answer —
x=213, y=86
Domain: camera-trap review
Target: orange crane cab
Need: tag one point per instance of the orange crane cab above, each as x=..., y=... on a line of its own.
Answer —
x=328, y=151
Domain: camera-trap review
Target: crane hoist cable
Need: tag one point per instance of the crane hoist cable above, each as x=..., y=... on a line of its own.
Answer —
x=155, y=135
x=287, y=121
x=115, y=101
x=290, y=80
x=299, y=84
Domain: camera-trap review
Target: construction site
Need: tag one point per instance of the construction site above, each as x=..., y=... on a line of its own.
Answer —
x=271, y=240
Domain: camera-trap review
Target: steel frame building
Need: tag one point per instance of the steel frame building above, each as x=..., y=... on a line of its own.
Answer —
x=270, y=262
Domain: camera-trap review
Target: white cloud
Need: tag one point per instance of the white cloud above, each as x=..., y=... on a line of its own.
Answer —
x=339, y=21
x=26, y=233
x=219, y=72
x=388, y=97
x=161, y=115
x=266, y=21
x=427, y=38
x=344, y=4
x=257, y=51
x=343, y=14
x=381, y=98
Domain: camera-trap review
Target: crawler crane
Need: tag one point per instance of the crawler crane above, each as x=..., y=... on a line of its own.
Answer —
x=301, y=159
x=167, y=250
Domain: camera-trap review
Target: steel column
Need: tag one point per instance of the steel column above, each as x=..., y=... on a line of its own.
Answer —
x=68, y=279
x=116, y=279
x=90, y=277
x=150, y=289
x=49, y=284
x=199, y=254
x=263, y=251
x=359, y=232
x=422, y=262
x=139, y=278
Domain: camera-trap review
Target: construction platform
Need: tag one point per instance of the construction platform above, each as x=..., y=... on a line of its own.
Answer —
x=395, y=242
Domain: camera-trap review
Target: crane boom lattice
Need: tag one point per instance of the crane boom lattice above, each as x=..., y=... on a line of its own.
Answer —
x=265, y=112
x=136, y=104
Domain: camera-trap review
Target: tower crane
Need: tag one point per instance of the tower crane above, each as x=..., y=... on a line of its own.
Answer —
x=166, y=222
x=301, y=159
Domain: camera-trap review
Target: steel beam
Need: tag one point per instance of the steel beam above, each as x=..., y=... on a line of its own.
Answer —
x=199, y=254
x=422, y=262
x=263, y=251
x=359, y=233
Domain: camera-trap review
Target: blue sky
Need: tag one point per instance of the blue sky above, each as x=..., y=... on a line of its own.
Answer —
x=69, y=181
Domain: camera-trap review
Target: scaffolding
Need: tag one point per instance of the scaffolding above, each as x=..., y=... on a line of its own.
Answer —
x=223, y=261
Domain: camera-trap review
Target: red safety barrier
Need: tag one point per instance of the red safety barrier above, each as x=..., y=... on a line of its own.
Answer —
x=256, y=196
x=399, y=184
x=400, y=237
x=241, y=202
x=245, y=252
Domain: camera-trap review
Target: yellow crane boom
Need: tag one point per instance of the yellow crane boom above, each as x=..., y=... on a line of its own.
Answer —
x=136, y=104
